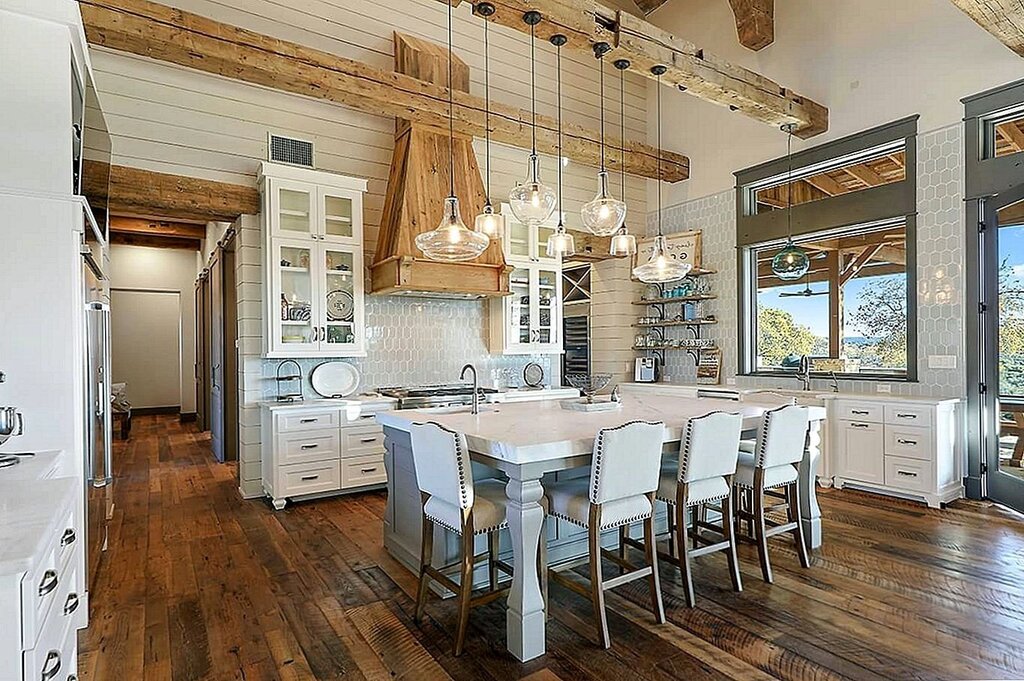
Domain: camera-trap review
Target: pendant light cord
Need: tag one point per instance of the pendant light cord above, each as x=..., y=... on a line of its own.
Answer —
x=558, y=62
x=487, y=108
x=659, y=155
x=533, y=84
x=789, y=184
x=622, y=131
x=451, y=109
x=600, y=66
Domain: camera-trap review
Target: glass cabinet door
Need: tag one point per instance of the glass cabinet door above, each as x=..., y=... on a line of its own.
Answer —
x=338, y=210
x=340, y=298
x=543, y=234
x=520, y=330
x=546, y=326
x=518, y=237
x=292, y=207
x=296, y=322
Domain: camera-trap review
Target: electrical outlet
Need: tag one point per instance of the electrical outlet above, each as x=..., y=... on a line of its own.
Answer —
x=730, y=381
x=942, y=361
x=884, y=388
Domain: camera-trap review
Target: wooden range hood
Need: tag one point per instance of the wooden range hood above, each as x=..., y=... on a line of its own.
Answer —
x=417, y=187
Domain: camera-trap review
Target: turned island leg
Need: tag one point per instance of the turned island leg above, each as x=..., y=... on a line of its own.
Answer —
x=525, y=617
x=810, y=512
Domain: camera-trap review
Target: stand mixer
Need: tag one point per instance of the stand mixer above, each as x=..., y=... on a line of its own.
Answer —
x=11, y=424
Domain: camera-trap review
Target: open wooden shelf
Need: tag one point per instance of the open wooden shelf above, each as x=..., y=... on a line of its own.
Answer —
x=693, y=348
x=680, y=299
x=692, y=322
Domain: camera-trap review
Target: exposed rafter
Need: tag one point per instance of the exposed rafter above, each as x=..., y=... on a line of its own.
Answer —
x=755, y=22
x=1002, y=18
x=690, y=68
x=648, y=6
x=160, y=32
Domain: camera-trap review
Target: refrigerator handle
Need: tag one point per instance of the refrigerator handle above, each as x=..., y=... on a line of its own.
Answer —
x=108, y=440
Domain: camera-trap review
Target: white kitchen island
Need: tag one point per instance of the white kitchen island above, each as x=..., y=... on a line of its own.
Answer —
x=527, y=441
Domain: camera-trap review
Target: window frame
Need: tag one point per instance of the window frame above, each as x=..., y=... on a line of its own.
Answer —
x=866, y=208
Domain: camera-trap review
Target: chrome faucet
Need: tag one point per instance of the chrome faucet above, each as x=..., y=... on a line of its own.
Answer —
x=835, y=382
x=804, y=373
x=476, y=386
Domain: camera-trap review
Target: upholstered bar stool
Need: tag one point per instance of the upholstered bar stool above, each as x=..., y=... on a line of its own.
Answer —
x=620, y=491
x=772, y=465
x=707, y=462
x=459, y=504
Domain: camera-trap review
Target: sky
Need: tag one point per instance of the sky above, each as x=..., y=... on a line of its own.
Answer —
x=813, y=311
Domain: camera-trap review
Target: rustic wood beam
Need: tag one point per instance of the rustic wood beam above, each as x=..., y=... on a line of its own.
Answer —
x=1012, y=133
x=171, y=35
x=690, y=68
x=592, y=248
x=160, y=228
x=835, y=305
x=648, y=6
x=862, y=259
x=1012, y=214
x=755, y=22
x=144, y=193
x=826, y=183
x=865, y=174
x=155, y=241
x=1002, y=18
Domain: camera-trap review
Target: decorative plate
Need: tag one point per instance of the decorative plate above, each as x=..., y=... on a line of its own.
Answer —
x=533, y=375
x=335, y=379
x=340, y=306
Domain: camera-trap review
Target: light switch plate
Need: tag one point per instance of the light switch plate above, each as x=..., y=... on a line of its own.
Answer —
x=942, y=361
x=884, y=388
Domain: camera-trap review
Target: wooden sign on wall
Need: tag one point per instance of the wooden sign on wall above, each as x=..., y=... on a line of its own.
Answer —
x=709, y=368
x=684, y=247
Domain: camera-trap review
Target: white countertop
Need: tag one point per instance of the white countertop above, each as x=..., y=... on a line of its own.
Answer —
x=29, y=515
x=42, y=465
x=526, y=432
x=864, y=397
x=363, y=402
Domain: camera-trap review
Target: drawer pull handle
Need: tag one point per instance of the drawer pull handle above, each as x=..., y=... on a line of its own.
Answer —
x=906, y=416
x=49, y=582
x=307, y=478
x=308, y=420
x=368, y=440
x=314, y=446
x=859, y=425
x=859, y=412
x=51, y=666
x=906, y=442
x=906, y=474
x=367, y=416
x=71, y=604
x=368, y=470
x=68, y=537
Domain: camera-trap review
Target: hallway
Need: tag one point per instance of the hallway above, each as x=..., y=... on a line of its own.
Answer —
x=198, y=584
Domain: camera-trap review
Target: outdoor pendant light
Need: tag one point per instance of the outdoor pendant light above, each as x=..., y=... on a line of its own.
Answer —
x=660, y=268
x=561, y=244
x=451, y=241
x=532, y=202
x=605, y=214
x=791, y=262
x=623, y=243
x=488, y=222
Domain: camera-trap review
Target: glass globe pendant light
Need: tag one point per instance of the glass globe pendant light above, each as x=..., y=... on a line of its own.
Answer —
x=604, y=214
x=532, y=201
x=623, y=244
x=451, y=241
x=792, y=262
x=660, y=268
x=561, y=244
x=488, y=222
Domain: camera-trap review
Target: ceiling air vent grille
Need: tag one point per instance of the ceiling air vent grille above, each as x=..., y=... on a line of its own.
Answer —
x=289, y=150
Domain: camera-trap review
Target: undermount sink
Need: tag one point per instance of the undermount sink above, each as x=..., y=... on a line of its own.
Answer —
x=457, y=409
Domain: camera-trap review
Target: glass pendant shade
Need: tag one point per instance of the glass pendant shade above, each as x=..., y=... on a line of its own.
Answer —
x=532, y=202
x=623, y=244
x=490, y=223
x=561, y=244
x=605, y=214
x=791, y=263
x=452, y=241
x=660, y=268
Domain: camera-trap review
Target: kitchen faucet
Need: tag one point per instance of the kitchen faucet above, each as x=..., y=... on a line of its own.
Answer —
x=476, y=386
x=803, y=374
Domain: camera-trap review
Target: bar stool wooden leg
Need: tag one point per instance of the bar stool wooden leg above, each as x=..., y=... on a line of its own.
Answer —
x=793, y=516
x=652, y=559
x=465, y=585
x=426, y=551
x=492, y=558
x=671, y=517
x=623, y=536
x=760, y=526
x=729, y=532
x=683, y=544
x=596, y=577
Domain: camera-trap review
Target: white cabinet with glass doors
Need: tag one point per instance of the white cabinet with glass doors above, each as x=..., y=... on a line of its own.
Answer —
x=528, y=322
x=313, y=241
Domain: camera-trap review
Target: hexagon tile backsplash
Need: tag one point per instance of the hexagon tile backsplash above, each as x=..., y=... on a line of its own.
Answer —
x=940, y=273
x=420, y=341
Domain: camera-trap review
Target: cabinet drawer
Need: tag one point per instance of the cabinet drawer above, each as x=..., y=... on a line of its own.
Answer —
x=309, y=447
x=910, y=474
x=859, y=411
x=363, y=440
x=908, y=415
x=310, y=478
x=54, y=648
x=363, y=470
x=53, y=577
x=908, y=441
x=309, y=420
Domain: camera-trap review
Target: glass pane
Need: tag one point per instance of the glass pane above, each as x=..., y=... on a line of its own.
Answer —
x=296, y=295
x=518, y=239
x=519, y=317
x=1004, y=135
x=848, y=314
x=865, y=171
x=294, y=211
x=543, y=234
x=340, y=296
x=338, y=216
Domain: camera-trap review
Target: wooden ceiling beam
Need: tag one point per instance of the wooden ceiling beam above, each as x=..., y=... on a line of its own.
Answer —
x=155, y=241
x=861, y=259
x=755, y=22
x=120, y=224
x=648, y=6
x=1002, y=18
x=177, y=37
x=138, y=192
x=827, y=184
x=1012, y=133
x=690, y=68
x=865, y=174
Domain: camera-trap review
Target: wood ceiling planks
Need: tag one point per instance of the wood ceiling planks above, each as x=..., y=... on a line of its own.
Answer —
x=1002, y=18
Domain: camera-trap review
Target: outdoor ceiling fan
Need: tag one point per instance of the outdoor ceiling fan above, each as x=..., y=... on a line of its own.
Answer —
x=808, y=291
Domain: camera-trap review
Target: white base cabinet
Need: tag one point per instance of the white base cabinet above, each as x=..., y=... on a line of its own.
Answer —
x=319, y=450
x=907, y=449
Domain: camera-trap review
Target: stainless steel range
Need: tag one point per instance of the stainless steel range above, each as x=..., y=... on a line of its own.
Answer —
x=433, y=395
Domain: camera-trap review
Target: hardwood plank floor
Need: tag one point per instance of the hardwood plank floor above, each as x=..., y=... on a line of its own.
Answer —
x=199, y=584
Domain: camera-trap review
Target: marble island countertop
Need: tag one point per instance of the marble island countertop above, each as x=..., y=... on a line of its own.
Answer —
x=30, y=512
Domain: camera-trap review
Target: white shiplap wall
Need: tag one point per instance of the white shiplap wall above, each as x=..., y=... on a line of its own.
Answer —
x=175, y=120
